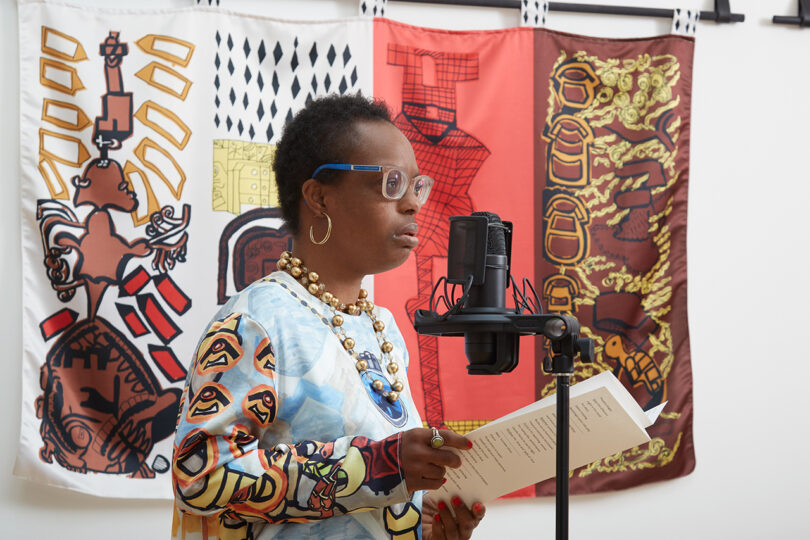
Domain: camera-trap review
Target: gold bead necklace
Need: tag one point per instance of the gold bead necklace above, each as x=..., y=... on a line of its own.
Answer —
x=295, y=267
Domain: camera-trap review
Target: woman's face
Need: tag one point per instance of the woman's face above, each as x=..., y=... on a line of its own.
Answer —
x=370, y=233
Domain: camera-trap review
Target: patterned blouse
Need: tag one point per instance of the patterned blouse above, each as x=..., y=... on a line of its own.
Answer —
x=279, y=436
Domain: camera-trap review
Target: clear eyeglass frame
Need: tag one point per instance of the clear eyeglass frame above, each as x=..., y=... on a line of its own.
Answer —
x=395, y=181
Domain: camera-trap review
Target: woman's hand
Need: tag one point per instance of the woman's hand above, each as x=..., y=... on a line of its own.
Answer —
x=438, y=522
x=424, y=466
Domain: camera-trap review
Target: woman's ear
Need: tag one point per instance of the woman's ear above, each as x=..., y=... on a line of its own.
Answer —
x=312, y=193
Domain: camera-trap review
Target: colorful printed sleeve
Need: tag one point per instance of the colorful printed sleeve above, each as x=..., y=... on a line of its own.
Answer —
x=219, y=467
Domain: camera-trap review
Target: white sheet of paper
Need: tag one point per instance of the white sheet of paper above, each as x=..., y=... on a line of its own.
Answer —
x=655, y=412
x=519, y=449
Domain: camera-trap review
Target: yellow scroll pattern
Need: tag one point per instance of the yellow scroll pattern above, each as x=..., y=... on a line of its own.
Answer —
x=636, y=93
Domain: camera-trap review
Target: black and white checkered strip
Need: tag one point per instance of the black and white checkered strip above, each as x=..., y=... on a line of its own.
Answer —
x=684, y=21
x=207, y=2
x=373, y=8
x=261, y=82
x=533, y=13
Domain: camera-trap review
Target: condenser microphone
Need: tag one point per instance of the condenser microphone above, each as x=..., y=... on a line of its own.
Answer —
x=478, y=248
x=479, y=259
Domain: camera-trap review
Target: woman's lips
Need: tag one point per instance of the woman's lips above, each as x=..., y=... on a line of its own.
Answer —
x=407, y=235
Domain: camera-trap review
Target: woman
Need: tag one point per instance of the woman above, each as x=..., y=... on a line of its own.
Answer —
x=297, y=420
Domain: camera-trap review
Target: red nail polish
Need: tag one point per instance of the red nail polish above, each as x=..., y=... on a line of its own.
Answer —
x=469, y=444
x=456, y=501
x=444, y=480
x=477, y=507
x=437, y=518
x=442, y=506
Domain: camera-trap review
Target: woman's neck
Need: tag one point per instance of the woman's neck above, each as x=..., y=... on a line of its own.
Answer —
x=338, y=278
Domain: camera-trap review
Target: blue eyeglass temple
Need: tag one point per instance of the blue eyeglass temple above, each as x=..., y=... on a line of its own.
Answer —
x=347, y=167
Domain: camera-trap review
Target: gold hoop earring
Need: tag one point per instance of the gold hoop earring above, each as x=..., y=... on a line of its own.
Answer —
x=328, y=232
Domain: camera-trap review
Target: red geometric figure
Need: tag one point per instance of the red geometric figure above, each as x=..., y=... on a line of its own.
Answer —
x=165, y=359
x=448, y=154
x=57, y=322
x=134, y=282
x=157, y=318
x=133, y=322
x=170, y=292
x=429, y=86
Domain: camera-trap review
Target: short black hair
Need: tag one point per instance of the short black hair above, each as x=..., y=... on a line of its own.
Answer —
x=322, y=132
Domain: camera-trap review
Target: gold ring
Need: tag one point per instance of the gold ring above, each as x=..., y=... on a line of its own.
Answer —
x=437, y=441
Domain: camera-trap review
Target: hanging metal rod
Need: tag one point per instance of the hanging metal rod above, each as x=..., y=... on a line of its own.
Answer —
x=803, y=18
x=719, y=15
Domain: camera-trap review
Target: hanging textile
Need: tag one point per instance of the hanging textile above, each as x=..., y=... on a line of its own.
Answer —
x=147, y=139
x=583, y=144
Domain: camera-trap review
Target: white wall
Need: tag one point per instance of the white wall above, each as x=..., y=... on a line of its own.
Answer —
x=748, y=257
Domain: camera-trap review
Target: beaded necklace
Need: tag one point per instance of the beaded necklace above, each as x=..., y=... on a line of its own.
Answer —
x=295, y=267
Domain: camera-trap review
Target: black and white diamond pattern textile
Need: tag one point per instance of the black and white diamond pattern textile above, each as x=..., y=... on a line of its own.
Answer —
x=373, y=8
x=533, y=13
x=261, y=82
x=684, y=21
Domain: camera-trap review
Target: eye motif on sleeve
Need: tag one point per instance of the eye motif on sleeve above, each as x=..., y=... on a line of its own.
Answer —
x=196, y=456
x=264, y=360
x=210, y=400
x=259, y=405
x=239, y=438
x=221, y=348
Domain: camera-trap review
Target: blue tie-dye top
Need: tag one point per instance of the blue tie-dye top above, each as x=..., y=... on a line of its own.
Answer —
x=279, y=436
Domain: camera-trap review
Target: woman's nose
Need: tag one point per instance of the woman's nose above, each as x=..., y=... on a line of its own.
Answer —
x=410, y=201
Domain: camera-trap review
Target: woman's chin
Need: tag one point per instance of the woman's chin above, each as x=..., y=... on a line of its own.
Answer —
x=395, y=260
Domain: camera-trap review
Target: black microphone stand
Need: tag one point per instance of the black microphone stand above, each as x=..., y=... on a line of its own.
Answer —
x=562, y=367
x=480, y=260
x=562, y=332
x=562, y=456
x=560, y=363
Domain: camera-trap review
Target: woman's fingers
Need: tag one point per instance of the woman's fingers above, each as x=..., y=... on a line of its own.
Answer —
x=478, y=511
x=451, y=438
x=443, y=458
x=465, y=522
x=433, y=472
x=446, y=522
x=423, y=465
x=429, y=483
x=457, y=523
x=443, y=455
x=454, y=440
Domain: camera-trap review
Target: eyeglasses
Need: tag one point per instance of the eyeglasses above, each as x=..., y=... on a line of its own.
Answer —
x=395, y=181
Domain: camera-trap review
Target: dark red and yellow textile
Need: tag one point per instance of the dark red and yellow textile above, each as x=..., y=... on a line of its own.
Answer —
x=583, y=143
